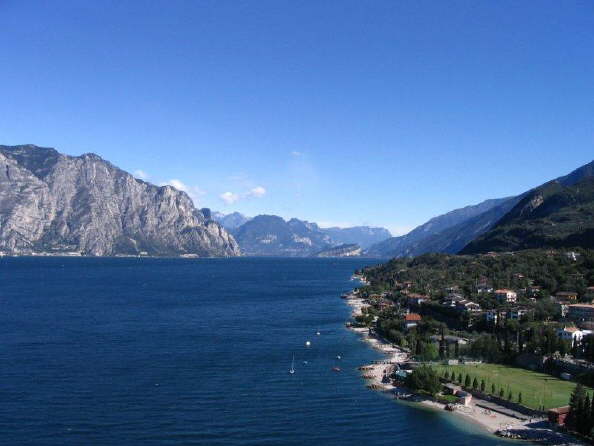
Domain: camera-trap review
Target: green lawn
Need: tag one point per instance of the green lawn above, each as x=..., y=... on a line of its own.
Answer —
x=537, y=389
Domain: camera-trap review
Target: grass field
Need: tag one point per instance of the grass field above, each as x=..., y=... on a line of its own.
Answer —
x=537, y=389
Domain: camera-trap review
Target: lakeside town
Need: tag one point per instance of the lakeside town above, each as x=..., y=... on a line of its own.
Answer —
x=504, y=339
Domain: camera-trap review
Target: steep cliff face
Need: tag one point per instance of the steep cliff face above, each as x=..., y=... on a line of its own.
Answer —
x=51, y=202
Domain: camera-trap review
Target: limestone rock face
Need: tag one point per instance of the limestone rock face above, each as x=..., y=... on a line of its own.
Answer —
x=55, y=203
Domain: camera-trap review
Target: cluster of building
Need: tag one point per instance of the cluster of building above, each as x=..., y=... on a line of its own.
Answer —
x=580, y=314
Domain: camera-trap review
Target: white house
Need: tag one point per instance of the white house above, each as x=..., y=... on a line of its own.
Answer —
x=505, y=295
x=572, y=334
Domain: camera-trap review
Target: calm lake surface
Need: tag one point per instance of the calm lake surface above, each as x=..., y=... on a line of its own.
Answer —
x=193, y=352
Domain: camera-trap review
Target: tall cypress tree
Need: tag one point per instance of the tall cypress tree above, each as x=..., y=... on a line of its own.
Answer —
x=591, y=425
x=585, y=422
x=575, y=416
x=442, y=345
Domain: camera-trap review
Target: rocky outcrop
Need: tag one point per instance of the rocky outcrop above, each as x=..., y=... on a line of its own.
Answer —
x=54, y=203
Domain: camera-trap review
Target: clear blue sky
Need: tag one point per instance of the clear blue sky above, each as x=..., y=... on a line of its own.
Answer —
x=350, y=112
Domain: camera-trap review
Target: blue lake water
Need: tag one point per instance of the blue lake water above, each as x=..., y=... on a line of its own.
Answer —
x=193, y=352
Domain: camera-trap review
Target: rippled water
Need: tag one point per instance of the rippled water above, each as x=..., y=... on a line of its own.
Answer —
x=184, y=352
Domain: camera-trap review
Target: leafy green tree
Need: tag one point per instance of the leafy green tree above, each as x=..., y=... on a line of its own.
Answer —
x=467, y=381
x=475, y=383
x=520, y=398
x=493, y=389
x=424, y=379
x=483, y=385
x=459, y=378
x=509, y=395
x=501, y=393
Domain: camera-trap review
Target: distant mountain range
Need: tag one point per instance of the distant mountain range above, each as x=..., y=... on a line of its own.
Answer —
x=230, y=221
x=505, y=224
x=446, y=233
x=52, y=203
x=364, y=236
x=58, y=204
x=270, y=235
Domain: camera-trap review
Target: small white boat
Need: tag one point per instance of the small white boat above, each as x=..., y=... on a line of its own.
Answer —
x=338, y=357
x=318, y=333
x=292, y=369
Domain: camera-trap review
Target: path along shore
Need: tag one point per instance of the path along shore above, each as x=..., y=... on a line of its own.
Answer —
x=537, y=430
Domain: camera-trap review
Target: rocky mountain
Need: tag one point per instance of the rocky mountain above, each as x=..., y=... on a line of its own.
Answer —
x=558, y=214
x=446, y=233
x=346, y=250
x=452, y=232
x=230, y=221
x=364, y=236
x=54, y=203
x=270, y=235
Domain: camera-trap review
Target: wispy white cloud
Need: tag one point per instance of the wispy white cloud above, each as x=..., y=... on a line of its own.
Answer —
x=232, y=197
x=139, y=173
x=229, y=197
x=194, y=192
x=296, y=153
x=256, y=192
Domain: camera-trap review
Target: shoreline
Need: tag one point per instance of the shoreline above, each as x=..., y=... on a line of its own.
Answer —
x=534, y=431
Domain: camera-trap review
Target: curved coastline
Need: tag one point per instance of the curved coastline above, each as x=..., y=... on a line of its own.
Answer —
x=490, y=422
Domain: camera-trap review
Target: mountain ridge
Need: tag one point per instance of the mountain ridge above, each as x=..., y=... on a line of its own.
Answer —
x=454, y=238
x=557, y=214
x=56, y=203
